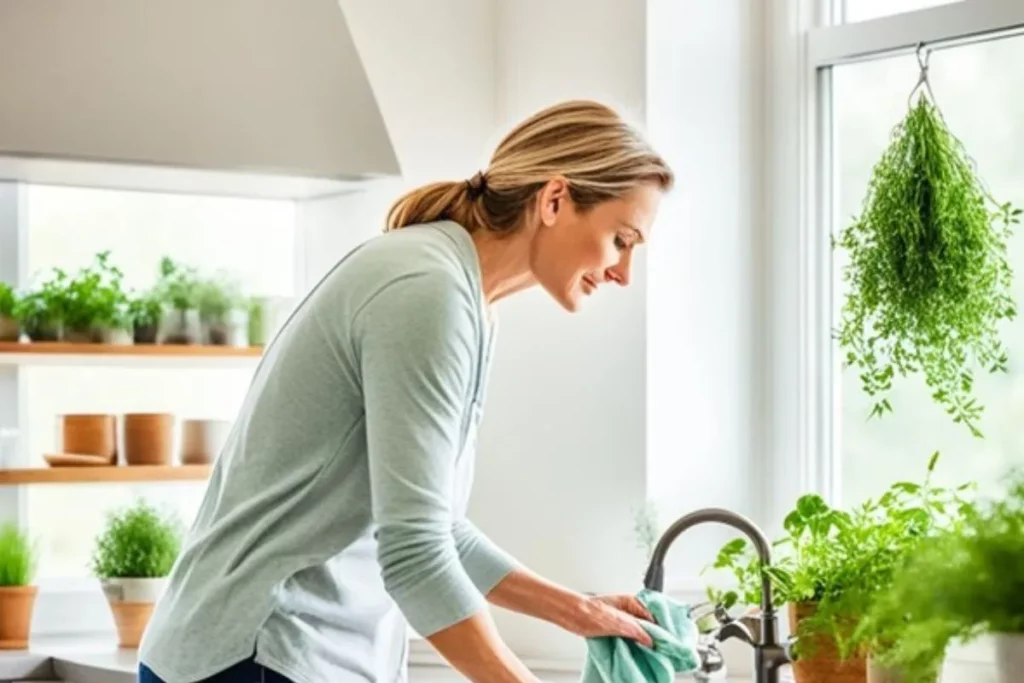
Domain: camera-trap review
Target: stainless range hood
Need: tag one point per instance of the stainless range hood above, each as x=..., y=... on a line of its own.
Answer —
x=264, y=97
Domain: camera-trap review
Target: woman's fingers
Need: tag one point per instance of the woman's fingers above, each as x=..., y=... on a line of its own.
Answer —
x=629, y=604
x=641, y=635
x=637, y=609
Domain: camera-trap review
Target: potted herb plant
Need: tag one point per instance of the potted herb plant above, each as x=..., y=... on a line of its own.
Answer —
x=833, y=565
x=144, y=311
x=41, y=311
x=132, y=559
x=222, y=313
x=257, y=310
x=177, y=288
x=95, y=304
x=963, y=584
x=17, y=594
x=10, y=329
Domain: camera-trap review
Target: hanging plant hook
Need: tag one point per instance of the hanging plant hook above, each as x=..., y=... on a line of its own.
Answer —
x=922, y=50
x=923, y=53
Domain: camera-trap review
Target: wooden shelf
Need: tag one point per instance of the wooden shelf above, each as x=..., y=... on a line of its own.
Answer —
x=175, y=350
x=172, y=355
x=114, y=474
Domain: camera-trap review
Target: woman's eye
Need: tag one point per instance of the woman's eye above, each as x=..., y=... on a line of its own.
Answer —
x=620, y=243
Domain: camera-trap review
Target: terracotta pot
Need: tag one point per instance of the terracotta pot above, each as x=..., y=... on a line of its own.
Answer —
x=131, y=602
x=90, y=435
x=89, y=335
x=10, y=330
x=202, y=440
x=818, y=659
x=148, y=438
x=16, y=605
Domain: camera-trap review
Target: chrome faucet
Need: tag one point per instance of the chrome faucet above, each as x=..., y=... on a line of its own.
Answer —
x=769, y=655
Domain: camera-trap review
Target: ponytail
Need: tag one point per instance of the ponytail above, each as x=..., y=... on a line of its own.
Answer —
x=426, y=204
x=600, y=156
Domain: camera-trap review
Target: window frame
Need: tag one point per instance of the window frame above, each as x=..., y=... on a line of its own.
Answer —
x=808, y=458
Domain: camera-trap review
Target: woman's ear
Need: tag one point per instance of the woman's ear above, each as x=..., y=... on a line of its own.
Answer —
x=553, y=198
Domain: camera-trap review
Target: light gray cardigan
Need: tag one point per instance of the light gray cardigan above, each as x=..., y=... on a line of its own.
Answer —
x=341, y=492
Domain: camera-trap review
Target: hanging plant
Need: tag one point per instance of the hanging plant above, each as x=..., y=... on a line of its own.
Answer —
x=928, y=277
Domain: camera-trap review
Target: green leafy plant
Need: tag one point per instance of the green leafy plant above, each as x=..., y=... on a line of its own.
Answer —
x=94, y=297
x=17, y=557
x=257, y=309
x=841, y=560
x=960, y=584
x=41, y=310
x=145, y=309
x=138, y=542
x=928, y=276
x=178, y=285
x=8, y=300
x=216, y=297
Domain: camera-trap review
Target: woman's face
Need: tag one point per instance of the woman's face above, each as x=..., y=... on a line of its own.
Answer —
x=573, y=253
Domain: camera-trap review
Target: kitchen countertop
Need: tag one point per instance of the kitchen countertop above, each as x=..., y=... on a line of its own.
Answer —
x=99, y=660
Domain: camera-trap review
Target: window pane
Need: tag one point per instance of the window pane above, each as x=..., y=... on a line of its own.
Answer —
x=978, y=88
x=251, y=239
x=862, y=10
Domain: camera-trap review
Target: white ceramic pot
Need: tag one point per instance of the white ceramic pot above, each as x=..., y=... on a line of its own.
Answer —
x=202, y=440
x=1010, y=657
x=972, y=662
x=133, y=590
x=131, y=602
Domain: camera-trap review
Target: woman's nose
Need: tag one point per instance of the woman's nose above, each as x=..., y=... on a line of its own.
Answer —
x=620, y=271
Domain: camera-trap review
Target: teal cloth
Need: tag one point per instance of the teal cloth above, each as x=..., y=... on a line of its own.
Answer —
x=623, y=660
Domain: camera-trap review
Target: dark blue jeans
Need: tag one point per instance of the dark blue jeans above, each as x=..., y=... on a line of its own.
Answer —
x=243, y=672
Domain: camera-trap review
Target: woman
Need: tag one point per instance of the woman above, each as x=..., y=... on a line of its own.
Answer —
x=336, y=511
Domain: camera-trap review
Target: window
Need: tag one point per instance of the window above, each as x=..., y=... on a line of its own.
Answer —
x=977, y=84
x=863, y=10
x=254, y=240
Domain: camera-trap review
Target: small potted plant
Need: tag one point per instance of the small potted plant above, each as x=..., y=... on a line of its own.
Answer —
x=962, y=585
x=257, y=311
x=17, y=594
x=41, y=311
x=10, y=329
x=94, y=306
x=132, y=559
x=834, y=565
x=222, y=313
x=144, y=311
x=178, y=289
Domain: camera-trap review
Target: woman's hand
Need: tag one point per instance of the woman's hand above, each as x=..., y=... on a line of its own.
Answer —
x=610, y=615
x=525, y=592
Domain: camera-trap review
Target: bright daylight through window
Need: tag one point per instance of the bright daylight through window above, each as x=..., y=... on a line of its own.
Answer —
x=978, y=88
x=250, y=240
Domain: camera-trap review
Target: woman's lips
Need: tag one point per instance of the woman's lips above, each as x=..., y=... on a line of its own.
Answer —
x=588, y=284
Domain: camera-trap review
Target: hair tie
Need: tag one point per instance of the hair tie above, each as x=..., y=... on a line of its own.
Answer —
x=477, y=185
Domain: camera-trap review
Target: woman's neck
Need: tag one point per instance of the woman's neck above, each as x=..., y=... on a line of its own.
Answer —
x=504, y=264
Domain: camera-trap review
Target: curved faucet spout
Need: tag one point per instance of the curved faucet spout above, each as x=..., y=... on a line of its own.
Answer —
x=655, y=578
x=768, y=654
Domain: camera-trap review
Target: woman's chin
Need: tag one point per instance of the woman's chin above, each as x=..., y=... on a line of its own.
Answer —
x=570, y=298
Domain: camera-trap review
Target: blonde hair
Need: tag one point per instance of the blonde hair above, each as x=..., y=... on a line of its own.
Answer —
x=600, y=156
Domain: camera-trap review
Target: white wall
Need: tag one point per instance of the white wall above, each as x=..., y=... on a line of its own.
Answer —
x=704, y=115
x=563, y=440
